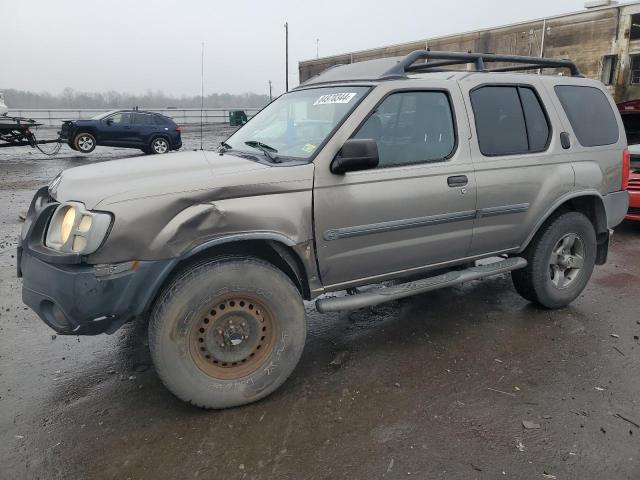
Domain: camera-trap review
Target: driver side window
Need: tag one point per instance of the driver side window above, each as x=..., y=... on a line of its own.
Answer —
x=411, y=128
x=120, y=118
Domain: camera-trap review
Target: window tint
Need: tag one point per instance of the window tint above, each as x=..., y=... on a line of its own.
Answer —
x=411, y=127
x=590, y=115
x=510, y=120
x=142, y=119
x=535, y=119
x=499, y=121
x=121, y=118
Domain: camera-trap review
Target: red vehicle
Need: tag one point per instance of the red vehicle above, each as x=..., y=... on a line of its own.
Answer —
x=634, y=184
x=630, y=112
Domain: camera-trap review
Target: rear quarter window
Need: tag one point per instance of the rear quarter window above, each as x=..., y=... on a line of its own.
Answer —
x=590, y=114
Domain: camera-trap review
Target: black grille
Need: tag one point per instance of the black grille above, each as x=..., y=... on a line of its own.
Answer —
x=634, y=211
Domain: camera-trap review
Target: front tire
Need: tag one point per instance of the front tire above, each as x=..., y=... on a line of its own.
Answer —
x=84, y=142
x=561, y=258
x=227, y=332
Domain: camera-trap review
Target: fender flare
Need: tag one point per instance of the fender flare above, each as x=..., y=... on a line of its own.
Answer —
x=237, y=237
x=602, y=227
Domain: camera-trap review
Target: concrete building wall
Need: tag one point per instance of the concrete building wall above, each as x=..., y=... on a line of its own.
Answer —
x=585, y=37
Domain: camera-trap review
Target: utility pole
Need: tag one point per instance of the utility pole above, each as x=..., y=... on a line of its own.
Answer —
x=270, y=97
x=286, y=55
x=201, y=92
x=317, y=48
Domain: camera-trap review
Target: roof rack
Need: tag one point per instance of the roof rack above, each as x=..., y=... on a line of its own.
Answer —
x=445, y=59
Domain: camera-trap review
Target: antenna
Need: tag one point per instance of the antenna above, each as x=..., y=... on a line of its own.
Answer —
x=201, y=93
x=317, y=48
x=270, y=96
x=286, y=56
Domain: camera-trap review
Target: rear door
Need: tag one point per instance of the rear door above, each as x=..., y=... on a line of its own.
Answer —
x=417, y=208
x=144, y=126
x=520, y=165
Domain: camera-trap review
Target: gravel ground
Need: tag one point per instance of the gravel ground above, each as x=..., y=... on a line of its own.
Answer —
x=438, y=386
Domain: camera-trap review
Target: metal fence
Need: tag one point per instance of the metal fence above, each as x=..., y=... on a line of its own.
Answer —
x=182, y=116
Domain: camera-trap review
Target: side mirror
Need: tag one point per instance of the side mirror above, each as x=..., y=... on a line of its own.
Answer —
x=109, y=121
x=356, y=154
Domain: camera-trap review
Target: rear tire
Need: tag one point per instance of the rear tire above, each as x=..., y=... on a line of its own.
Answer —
x=84, y=142
x=561, y=258
x=227, y=332
x=159, y=145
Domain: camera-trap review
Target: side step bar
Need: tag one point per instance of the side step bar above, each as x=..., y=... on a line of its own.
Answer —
x=382, y=295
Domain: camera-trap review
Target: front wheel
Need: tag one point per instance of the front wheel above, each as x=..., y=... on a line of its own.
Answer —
x=561, y=258
x=84, y=142
x=159, y=145
x=227, y=332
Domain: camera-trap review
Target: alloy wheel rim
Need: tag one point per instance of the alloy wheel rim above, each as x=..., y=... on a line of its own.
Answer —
x=567, y=261
x=160, y=146
x=85, y=143
x=232, y=337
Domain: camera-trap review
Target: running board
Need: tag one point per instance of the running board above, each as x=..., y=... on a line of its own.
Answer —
x=382, y=295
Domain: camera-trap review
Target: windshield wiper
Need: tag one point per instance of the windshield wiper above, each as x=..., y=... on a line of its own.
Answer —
x=266, y=149
x=224, y=147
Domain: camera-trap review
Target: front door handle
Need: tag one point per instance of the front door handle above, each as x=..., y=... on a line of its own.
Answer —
x=457, y=181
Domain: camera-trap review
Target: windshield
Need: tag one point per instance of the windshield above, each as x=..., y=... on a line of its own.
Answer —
x=100, y=116
x=297, y=123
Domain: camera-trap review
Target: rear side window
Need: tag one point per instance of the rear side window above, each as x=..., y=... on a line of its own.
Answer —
x=163, y=121
x=590, y=115
x=510, y=120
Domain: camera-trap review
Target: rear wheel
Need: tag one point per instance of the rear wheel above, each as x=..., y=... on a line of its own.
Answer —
x=227, y=332
x=84, y=142
x=561, y=258
x=159, y=145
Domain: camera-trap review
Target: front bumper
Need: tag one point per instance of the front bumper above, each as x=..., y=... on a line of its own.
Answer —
x=87, y=300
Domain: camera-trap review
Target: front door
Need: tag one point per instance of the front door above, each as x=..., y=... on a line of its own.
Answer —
x=416, y=209
x=116, y=129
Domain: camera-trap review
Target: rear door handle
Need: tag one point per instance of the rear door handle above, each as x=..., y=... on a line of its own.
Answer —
x=457, y=181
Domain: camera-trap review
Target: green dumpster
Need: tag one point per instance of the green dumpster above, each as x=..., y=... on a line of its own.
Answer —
x=237, y=118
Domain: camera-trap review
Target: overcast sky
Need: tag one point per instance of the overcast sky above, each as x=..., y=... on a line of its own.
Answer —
x=139, y=45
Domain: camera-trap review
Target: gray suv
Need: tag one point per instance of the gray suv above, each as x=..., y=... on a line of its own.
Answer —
x=374, y=172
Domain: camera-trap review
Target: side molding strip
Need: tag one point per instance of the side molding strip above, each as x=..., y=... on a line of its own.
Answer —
x=360, y=230
x=504, y=210
x=348, y=232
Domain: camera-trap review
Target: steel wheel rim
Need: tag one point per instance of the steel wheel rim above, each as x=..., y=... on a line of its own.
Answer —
x=567, y=261
x=85, y=143
x=232, y=338
x=160, y=146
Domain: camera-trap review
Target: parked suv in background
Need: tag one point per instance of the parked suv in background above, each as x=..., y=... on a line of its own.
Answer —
x=148, y=131
x=370, y=172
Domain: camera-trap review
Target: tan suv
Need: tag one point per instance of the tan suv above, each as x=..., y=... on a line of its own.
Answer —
x=370, y=172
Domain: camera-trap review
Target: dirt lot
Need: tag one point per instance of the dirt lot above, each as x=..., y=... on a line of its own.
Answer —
x=437, y=386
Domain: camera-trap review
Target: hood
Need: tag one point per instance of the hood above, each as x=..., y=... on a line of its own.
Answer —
x=152, y=175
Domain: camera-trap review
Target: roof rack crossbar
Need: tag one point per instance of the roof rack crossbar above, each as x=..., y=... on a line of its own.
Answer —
x=477, y=59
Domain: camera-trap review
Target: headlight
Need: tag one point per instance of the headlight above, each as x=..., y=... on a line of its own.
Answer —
x=74, y=229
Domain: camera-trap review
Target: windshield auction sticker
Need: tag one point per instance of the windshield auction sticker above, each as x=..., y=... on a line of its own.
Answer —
x=335, y=98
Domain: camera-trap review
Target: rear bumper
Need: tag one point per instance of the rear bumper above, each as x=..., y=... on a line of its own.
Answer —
x=616, y=205
x=634, y=206
x=87, y=300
